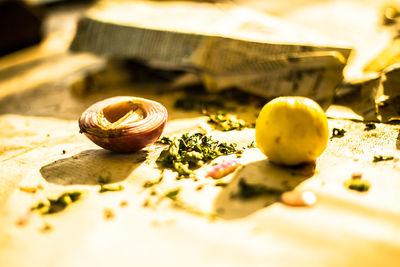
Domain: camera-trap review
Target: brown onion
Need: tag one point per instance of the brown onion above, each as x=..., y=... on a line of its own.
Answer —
x=124, y=123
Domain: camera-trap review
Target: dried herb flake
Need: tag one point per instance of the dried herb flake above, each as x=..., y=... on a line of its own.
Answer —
x=110, y=188
x=148, y=183
x=337, y=133
x=226, y=122
x=358, y=185
x=382, y=158
x=173, y=194
x=164, y=140
x=252, y=145
x=221, y=183
x=57, y=204
x=192, y=151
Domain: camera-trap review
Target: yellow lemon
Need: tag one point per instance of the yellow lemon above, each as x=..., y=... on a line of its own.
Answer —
x=292, y=130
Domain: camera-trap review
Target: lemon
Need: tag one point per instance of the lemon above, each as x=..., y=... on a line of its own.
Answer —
x=292, y=130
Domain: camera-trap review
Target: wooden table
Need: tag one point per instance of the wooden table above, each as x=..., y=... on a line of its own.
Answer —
x=40, y=144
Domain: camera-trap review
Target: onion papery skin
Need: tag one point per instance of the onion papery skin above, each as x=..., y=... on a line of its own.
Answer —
x=124, y=137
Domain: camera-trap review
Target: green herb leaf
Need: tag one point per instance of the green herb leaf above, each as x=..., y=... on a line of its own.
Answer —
x=173, y=194
x=164, y=140
x=191, y=151
x=221, y=183
x=337, y=133
x=358, y=185
x=148, y=184
x=182, y=168
x=226, y=122
x=110, y=187
x=252, y=145
x=382, y=158
x=58, y=204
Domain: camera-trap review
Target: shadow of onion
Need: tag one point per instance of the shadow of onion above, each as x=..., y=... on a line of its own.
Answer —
x=91, y=167
x=230, y=204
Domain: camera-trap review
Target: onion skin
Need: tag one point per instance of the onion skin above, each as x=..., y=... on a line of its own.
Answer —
x=123, y=135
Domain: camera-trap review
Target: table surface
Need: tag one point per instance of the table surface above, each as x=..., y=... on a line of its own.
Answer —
x=40, y=144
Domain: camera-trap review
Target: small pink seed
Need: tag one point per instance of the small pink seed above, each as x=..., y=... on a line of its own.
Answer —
x=299, y=198
x=224, y=168
x=356, y=175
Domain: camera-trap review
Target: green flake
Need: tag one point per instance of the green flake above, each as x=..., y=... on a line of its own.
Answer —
x=57, y=204
x=173, y=194
x=382, y=158
x=338, y=133
x=358, y=185
x=148, y=183
x=110, y=188
x=226, y=122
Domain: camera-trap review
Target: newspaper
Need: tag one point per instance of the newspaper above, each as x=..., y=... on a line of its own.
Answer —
x=360, y=97
x=224, y=45
x=386, y=64
x=388, y=97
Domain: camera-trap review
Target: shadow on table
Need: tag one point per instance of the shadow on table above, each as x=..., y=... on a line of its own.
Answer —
x=264, y=181
x=92, y=167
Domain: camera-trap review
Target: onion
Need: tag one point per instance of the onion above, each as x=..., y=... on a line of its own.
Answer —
x=124, y=123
